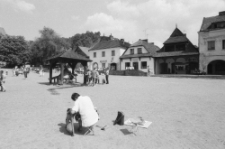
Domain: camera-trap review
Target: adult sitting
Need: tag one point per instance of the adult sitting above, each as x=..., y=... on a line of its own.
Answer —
x=88, y=114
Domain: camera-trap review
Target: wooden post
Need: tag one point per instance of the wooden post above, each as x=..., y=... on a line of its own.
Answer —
x=85, y=69
x=50, y=74
x=62, y=73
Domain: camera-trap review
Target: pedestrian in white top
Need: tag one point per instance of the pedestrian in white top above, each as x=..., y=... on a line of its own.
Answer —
x=84, y=106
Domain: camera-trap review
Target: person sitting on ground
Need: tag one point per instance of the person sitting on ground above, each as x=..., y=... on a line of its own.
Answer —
x=88, y=114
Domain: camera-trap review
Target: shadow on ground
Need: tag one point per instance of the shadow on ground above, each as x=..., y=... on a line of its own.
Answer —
x=53, y=90
x=62, y=129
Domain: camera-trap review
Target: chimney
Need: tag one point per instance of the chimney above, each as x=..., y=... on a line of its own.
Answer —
x=145, y=40
x=152, y=43
x=222, y=13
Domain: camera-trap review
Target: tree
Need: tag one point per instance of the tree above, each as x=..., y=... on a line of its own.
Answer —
x=85, y=39
x=49, y=44
x=13, y=50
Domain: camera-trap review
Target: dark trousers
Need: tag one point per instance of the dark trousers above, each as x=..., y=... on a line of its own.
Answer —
x=107, y=79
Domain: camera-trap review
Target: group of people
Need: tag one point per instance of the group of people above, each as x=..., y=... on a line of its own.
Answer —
x=24, y=69
x=93, y=77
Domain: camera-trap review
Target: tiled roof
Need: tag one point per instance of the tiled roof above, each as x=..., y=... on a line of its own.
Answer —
x=137, y=55
x=176, y=39
x=150, y=47
x=176, y=36
x=107, y=43
x=85, y=50
x=74, y=54
x=174, y=53
x=208, y=21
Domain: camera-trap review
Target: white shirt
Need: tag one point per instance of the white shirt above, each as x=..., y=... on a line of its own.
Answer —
x=85, y=107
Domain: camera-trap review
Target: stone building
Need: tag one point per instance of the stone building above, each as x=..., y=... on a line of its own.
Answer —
x=106, y=53
x=212, y=45
x=177, y=56
x=139, y=56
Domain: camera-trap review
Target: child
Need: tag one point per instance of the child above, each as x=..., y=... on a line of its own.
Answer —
x=2, y=77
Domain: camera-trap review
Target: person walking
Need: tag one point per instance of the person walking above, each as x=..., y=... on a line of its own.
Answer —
x=107, y=75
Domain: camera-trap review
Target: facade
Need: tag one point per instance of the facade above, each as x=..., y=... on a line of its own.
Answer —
x=212, y=45
x=139, y=56
x=106, y=53
x=177, y=56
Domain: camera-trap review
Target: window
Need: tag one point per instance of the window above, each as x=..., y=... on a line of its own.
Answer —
x=169, y=48
x=94, y=54
x=103, y=65
x=180, y=47
x=139, y=50
x=127, y=65
x=223, y=44
x=103, y=53
x=143, y=65
x=113, y=53
x=211, y=45
x=131, y=51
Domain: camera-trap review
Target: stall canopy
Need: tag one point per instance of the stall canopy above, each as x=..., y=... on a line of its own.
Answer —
x=70, y=57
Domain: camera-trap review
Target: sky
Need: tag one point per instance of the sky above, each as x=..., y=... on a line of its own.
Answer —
x=130, y=20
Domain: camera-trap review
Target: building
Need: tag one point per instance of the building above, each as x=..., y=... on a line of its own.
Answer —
x=177, y=56
x=139, y=56
x=212, y=44
x=106, y=53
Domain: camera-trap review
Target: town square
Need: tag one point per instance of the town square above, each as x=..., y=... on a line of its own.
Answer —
x=117, y=74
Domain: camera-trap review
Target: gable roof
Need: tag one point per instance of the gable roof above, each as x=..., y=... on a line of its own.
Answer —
x=209, y=20
x=72, y=54
x=150, y=47
x=108, y=42
x=85, y=50
x=176, y=36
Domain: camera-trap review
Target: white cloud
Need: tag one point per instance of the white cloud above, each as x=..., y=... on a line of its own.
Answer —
x=158, y=17
x=107, y=25
x=75, y=18
x=21, y=5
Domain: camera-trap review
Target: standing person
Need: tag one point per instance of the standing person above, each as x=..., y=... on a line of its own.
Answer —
x=149, y=71
x=86, y=75
x=107, y=75
x=85, y=107
x=16, y=71
x=89, y=76
x=41, y=71
x=94, y=76
x=25, y=71
x=2, y=77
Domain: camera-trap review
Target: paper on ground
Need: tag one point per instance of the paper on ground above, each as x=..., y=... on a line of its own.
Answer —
x=139, y=123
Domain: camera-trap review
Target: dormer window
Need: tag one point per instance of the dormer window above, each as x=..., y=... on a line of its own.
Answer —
x=131, y=51
x=139, y=50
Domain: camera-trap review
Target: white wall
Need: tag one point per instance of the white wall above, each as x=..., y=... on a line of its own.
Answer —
x=205, y=55
x=108, y=59
x=149, y=60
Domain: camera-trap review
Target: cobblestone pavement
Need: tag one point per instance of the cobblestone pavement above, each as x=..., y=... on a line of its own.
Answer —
x=185, y=113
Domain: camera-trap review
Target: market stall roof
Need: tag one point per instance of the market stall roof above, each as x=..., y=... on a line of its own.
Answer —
x=71, y=55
